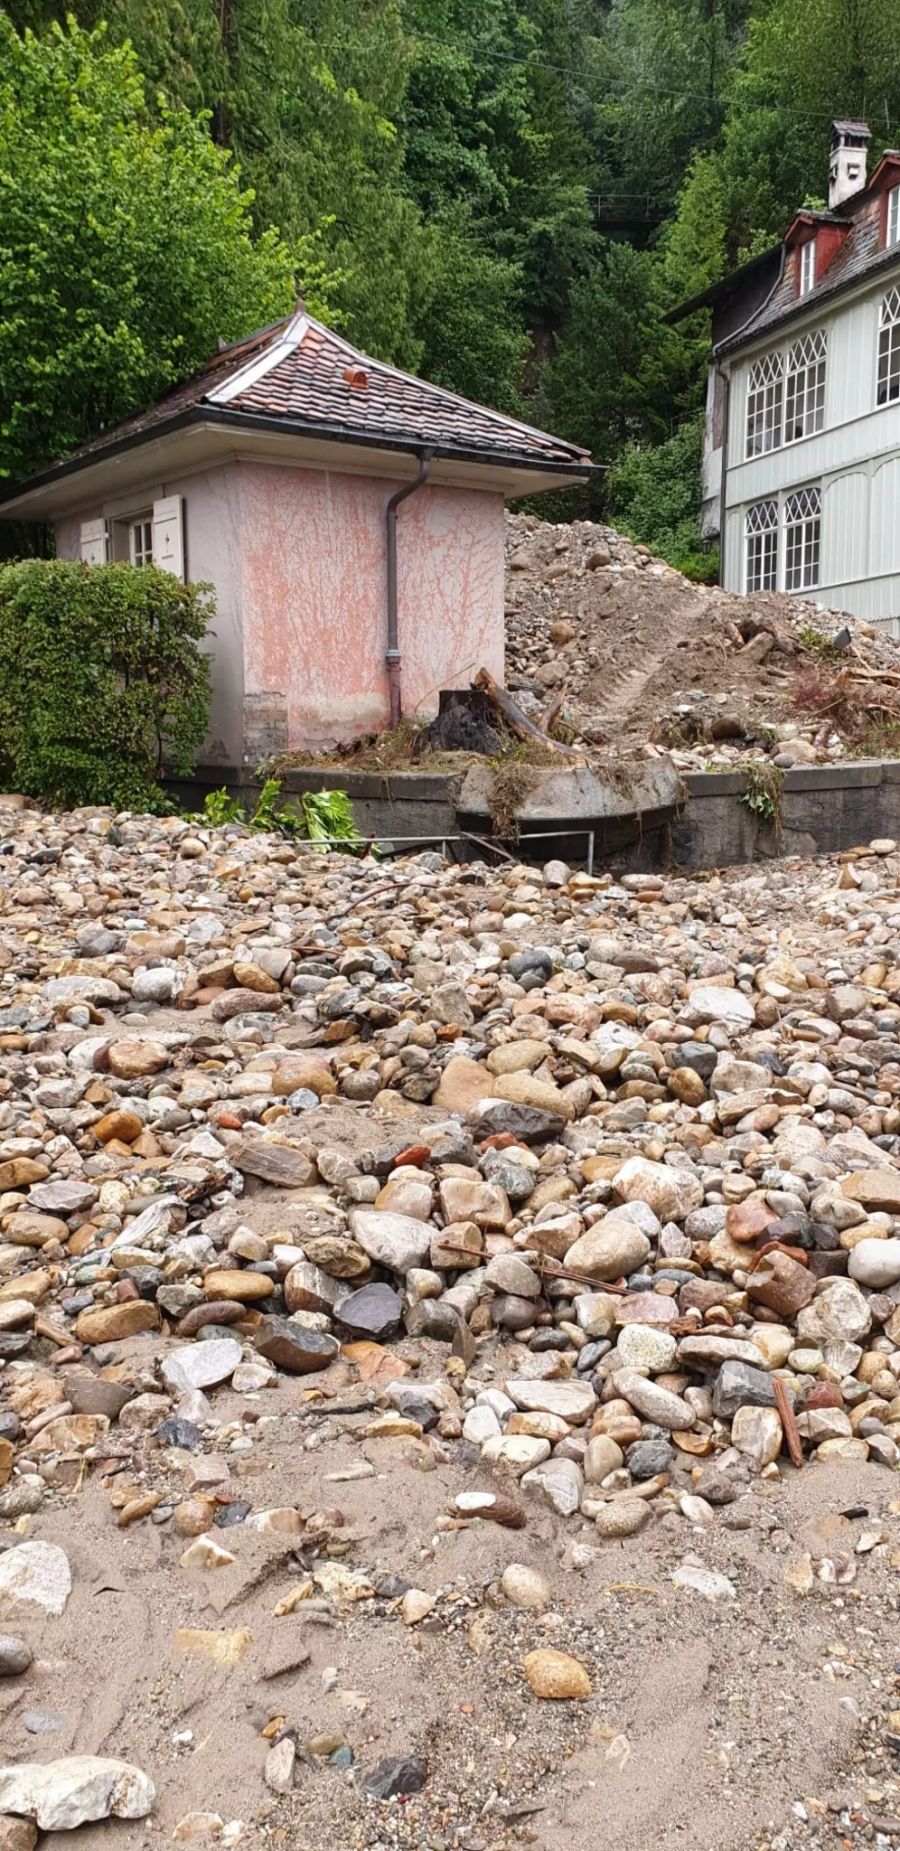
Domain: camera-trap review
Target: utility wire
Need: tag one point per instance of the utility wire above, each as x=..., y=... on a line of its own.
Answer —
x=627, y=85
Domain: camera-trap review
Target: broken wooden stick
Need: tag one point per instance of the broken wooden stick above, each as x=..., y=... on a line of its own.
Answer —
x=788, y=1422
x=518, y=722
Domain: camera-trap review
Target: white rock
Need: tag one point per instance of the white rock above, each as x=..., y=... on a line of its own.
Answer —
x=480, y=1424
x=201, y=1365
x=643, y=1346
x=560, y=1482
x=516, y=1453
x=396, y=1241
x=525, y=1588
x=758, y=1433
x=696, y=1579
x=875, y=1263
x=58, y=1795
x=38, y=1572
x=713, y=1002
x=573, y=1401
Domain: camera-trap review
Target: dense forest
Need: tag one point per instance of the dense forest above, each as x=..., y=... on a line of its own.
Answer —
x=506, y=195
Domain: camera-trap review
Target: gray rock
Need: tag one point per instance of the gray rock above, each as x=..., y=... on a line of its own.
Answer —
x=15, y=1655
x=740, y=1385
x=647, y=1457
x=395, y=1776
x=293, y=1348
x=375, y=1311
x=529, y=1123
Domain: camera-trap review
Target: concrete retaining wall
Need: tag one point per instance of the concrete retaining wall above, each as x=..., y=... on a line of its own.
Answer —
x=826, y=808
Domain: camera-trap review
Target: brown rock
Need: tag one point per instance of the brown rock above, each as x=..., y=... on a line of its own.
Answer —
x=110, y=1323
x=556, y=1676
x=20, y=1172
x=93, y=1394
x=782, y=1284
x=282, y=1164
x=121, y=1125
x=750, y=1220
x=244, y=1286
x=132, y=1060
x=874, y=1189
x=463, y=1083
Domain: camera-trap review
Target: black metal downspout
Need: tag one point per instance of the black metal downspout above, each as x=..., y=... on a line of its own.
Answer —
x=392, y=654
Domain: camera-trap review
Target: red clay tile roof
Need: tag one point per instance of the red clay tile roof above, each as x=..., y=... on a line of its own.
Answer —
x=317, y=384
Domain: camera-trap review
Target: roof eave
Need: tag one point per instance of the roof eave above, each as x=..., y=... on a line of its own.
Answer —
x=809, y=304
x=18, y=502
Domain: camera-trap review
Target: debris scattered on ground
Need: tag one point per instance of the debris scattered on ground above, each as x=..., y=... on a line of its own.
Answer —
x=415, y=1281
x=633, y=655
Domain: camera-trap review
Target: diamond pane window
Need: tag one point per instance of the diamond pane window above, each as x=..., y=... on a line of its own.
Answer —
x=804, y=395
x=889, y=348
x=802, y=538
x=765, y=396
x=761, y=546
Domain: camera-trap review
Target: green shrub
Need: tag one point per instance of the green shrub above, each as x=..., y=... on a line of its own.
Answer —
x=101, y=680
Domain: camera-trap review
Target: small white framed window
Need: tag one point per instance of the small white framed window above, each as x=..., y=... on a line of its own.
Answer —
x=804, y=394
x=140, y=540
x=892, y=221
x=765, y=404
x=802, y=539
x=761, y=546
x=807, y=266
x=888, y=387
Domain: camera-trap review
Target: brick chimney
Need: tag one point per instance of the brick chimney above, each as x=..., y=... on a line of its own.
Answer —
x=847, y=166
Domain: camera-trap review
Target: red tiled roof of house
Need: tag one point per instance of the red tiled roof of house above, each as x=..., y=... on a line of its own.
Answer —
x=302, y=374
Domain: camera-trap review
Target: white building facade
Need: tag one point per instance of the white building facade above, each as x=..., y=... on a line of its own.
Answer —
x=802, y=450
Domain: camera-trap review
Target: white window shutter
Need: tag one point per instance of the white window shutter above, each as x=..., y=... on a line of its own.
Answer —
x=93, y=542
x=168, y=535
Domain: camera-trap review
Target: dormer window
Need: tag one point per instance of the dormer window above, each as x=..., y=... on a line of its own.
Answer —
x=807, y=266
x=892, y=222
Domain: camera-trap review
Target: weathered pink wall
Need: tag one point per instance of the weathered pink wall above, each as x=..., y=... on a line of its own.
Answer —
x=297, y=561
x=315, y=595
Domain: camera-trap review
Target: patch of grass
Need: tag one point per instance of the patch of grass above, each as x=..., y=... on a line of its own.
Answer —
x=816, y=644
x=764, y=792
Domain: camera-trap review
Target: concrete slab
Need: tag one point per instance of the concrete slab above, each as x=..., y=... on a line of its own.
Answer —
x=576, y=793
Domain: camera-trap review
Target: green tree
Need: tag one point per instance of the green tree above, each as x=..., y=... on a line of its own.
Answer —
x=126, y=248
x=654, y=494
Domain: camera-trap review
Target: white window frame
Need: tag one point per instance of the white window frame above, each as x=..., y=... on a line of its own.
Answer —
x=807, y=266
x=801, y=515
x=140, y=538
x=804, y=386
x=761, y=549
x=888, y=349
x=892, y=218
x=764, y=421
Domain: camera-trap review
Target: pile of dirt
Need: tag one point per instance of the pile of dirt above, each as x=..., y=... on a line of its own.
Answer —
x=632, y=653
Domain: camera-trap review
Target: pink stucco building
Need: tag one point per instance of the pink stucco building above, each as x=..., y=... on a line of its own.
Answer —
x=348, y=516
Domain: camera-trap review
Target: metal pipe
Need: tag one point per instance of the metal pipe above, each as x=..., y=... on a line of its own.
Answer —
x=392, y=654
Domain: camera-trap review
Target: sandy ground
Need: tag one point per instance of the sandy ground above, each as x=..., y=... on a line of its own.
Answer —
x=707, y=1721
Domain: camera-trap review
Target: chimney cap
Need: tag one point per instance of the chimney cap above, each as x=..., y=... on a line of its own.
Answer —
x=843, y=130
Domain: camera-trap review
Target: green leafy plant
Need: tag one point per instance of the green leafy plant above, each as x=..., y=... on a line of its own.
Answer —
x=764, y=793
x=272, y=815
x=219, y=809
x=102, y=680
x=330, y=814
x=323, y=818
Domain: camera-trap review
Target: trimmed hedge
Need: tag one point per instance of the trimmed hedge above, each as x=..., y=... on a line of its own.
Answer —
x=101, y=680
